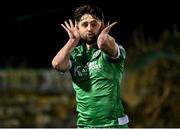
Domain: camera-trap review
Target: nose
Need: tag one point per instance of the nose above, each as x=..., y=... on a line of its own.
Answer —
x=89, y=27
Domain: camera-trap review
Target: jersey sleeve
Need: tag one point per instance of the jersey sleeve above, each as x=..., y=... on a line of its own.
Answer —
x=121, y=54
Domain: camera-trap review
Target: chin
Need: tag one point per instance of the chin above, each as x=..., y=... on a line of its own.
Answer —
x=90, y=41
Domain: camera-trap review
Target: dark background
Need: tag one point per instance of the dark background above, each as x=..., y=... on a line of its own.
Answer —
x=31, y=35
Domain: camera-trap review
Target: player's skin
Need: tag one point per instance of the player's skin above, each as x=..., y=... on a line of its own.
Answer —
x=87, y=28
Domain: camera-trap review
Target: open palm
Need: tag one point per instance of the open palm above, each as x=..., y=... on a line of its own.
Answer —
x=71, y=30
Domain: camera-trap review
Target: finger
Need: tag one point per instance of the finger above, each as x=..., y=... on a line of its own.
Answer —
x=107, y=29
x=67, y=25
x=71, y=23
x=111, y=25
x=76, y=24
x=67, y=30
x=108, y=23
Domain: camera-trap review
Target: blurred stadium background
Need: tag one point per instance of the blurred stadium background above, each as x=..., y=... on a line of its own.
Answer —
x=35, y=95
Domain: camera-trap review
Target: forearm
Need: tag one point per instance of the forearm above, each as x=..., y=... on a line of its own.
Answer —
x=62, y=58
x=109, y=46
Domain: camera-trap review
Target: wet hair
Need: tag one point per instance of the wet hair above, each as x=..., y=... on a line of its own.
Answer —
x=93, y=10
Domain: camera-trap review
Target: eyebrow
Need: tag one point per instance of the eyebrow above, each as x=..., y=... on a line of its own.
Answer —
x=88, y=22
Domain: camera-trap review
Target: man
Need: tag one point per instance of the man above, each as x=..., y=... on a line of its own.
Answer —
x=96, y=64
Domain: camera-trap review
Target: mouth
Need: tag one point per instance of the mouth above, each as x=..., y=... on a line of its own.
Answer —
x=89, y=35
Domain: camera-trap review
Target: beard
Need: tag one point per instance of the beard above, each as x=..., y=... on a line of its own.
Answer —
x=90, y=40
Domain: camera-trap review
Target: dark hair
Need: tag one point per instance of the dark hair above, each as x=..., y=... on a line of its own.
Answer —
x=93, y=10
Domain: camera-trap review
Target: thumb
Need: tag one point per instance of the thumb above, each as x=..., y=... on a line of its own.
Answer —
x=108, y=28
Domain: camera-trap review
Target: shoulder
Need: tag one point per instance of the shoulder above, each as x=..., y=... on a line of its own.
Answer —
x=77, y=50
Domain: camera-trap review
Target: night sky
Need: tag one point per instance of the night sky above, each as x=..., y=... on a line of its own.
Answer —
x=31, y=35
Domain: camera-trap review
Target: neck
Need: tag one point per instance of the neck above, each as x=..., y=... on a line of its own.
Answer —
x=88, y=46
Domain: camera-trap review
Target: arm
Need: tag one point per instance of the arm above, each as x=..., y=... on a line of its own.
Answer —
x=61, y=61
x=107, y=43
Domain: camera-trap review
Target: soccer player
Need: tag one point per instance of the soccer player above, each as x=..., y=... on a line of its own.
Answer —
x=96, y=64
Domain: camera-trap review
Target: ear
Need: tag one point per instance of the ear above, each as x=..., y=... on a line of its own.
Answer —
x=102, y=25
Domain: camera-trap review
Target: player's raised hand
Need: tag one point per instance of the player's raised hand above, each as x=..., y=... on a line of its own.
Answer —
x=104, y=35
x=71, y=29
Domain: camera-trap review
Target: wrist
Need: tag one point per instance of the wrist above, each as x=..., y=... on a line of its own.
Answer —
x=73, y=41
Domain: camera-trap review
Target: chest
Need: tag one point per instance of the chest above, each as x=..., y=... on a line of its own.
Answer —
x=86, y=69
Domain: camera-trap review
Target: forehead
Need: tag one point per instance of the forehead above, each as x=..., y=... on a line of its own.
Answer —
x=88, y=18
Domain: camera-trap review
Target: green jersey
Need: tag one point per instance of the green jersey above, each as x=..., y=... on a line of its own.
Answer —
x=96, y=80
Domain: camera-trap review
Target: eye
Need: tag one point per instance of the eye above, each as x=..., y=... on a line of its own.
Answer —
x=94, y=24
x=84, y=24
